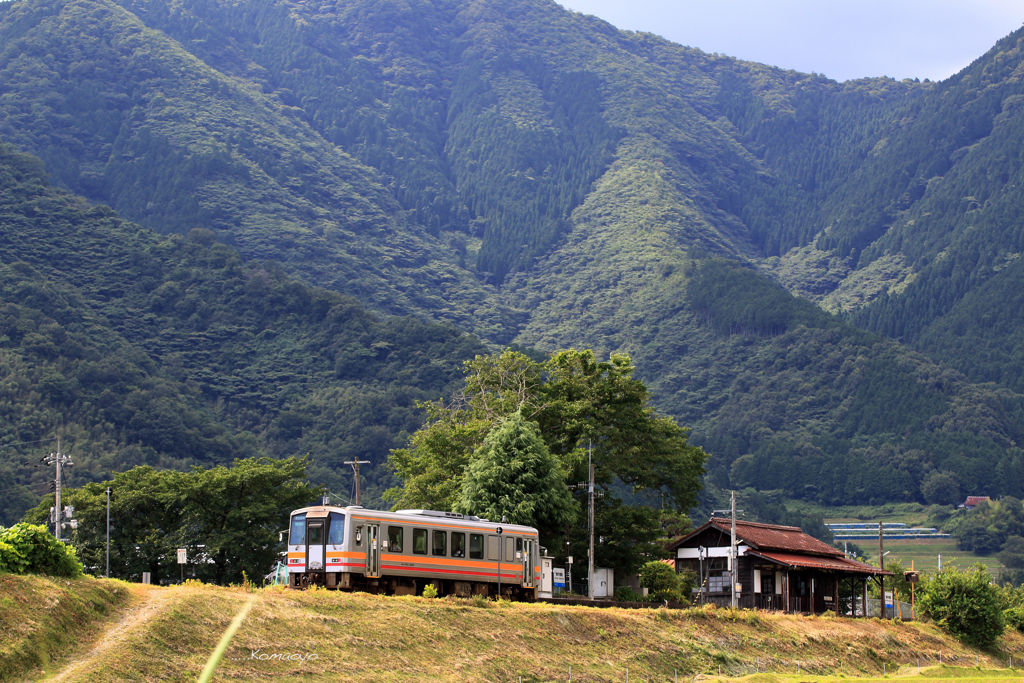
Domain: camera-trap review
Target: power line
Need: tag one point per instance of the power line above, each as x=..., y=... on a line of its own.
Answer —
x=22, y=443
x=24, y=486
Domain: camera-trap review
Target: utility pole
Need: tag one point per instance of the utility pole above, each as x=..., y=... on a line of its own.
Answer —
x=108, y=532
x=732, y=554
x=59, y=461
x=355, y=465
x=881, y=565
x=590, y=556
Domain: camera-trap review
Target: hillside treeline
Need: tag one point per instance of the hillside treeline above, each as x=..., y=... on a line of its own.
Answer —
x=172, y=352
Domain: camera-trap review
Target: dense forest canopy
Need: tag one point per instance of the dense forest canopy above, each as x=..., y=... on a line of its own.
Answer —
x=172, y=352
x=319, y=209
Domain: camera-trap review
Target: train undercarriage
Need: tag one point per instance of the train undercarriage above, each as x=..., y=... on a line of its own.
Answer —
x=400, y=585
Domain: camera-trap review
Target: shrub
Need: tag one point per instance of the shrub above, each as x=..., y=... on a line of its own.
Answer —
x=1014, y=618
x=664, y=583
x=430, y=591
x=627, y=594
x=31, y=549
x=965, y=604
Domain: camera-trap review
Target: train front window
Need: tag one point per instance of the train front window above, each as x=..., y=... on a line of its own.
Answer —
x=440, y=543
x=336, y=528
x=297, y=536
x=316, y=534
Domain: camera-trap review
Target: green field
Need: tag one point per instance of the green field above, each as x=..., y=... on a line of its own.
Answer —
x=933, y=674
x=923, y=553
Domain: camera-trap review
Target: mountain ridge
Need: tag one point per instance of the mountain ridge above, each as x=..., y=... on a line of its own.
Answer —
x=536, y=176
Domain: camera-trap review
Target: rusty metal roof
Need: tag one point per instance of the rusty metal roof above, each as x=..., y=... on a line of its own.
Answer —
x=799, y=561
x=766, y=537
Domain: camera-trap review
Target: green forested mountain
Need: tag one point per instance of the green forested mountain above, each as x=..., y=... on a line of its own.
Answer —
x=138, y=349
x=528, y=174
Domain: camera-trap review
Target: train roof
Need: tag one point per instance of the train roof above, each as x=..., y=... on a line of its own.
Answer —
x=420, y=516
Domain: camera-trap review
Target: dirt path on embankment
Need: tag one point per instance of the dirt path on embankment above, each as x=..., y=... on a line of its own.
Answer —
x=150, y=601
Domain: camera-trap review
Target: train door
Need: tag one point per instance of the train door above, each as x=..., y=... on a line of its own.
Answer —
x=372, y=550
x=529, y=570
x=315, y=539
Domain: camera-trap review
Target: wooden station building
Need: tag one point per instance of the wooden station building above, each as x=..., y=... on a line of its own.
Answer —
x=778, y=568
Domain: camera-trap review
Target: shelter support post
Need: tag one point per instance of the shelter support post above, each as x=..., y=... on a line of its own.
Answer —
x=785, y=591
x=835, y=596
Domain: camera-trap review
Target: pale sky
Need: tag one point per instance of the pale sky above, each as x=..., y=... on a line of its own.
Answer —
x=841, y=39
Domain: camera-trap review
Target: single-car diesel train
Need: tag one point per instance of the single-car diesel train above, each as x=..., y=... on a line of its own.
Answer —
x=400, y=553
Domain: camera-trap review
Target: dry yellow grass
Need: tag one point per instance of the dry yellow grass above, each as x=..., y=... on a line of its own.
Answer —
x=43, y=620
x=356, y=637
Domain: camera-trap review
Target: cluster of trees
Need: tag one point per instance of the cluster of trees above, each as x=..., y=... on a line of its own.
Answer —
x=227, y=518
x=888, y=424
x=521, y=432
x=736, y=300
x=520, y=175
x=994, y=527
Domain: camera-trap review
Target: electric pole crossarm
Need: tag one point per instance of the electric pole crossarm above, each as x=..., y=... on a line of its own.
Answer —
x=355, y=465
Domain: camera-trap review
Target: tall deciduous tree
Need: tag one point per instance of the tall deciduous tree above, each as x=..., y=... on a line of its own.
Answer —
x=584, y=408
x=514, y=476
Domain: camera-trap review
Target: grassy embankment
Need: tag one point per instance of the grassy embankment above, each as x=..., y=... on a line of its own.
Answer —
x=355, y=637
x=42, y=620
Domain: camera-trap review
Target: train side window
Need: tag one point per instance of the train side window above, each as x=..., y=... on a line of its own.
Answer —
x=509, y=550
x=476, y=546
x=359, y=536
x=458, y=544
x=440, y=543
x=419, y=541
x=519, y=545
x=395, y=539
x=493, y=548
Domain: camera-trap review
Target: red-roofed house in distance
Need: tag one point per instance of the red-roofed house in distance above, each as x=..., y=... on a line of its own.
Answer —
x=778, y=568
x=974, y=501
